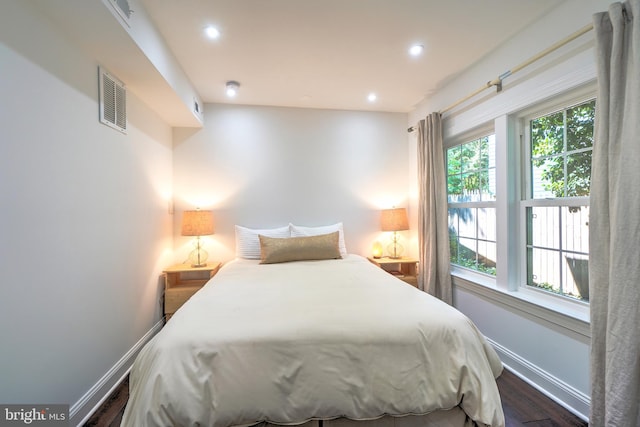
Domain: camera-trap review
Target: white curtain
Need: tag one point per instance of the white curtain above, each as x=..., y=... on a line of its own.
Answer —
x=433, y=225
x=614, y=224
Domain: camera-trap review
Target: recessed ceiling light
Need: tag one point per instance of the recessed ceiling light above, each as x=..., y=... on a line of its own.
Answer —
x=232, y=88
x=212, y=32
x=372, y=97
x=416, y=49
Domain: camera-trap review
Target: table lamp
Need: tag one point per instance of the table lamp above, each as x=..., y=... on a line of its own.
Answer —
x=377, y=250
x=197, y=223
x=395, y=220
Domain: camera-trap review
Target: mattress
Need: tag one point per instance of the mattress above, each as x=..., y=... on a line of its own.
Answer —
x=312, y=340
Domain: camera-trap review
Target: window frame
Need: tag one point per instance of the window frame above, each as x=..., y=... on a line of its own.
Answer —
x=476, y=133
x=527, y=200
x=506, y=287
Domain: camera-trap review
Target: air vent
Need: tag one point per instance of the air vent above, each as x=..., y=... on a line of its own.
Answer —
x=113, y=101
x=123, y=5
x=197, y=108
x=122, y=8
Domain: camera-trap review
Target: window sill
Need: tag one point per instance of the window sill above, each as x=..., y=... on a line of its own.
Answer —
x=549, y=309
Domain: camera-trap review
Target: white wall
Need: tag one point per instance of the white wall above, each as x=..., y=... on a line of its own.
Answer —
x=267, y=166
x=551, y=356
x=84, y=225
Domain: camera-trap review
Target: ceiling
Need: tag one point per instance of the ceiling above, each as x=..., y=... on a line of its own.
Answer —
x=333, y=53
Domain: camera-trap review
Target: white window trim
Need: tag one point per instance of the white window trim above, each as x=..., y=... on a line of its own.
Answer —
x=470, y=135
x=571, y=317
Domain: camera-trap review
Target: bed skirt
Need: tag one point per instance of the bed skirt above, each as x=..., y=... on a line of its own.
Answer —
x=452, y=418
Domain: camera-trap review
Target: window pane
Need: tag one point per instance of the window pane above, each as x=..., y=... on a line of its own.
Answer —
x=562, y=168
x=544, y=225
x=467, y=222
x=472, y=238
x=576, y=276
x=547, y=177
x=486, y=192
x=471, y=171
x=487, y=224
x=575, y=230
x=486, y=257
x=578, y=174
x=469, y=156
x=483, y=157
x=453, y=161
x=454, y=188
x=580, y=126
x=471, y=183
x=558, y=250
x=547, y=135
x=467, y=253
x=544, y=269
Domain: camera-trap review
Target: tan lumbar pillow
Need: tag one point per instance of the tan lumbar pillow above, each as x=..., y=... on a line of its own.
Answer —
x=275, y=249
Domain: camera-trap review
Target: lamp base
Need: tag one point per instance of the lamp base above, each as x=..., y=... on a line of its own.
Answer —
x=199, y=265
x=198, y=256
x=395, y=248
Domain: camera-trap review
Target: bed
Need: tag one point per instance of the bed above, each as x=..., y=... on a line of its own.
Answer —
x=337, y=342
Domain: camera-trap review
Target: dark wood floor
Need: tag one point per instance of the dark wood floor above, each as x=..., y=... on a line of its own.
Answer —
x=523, y=406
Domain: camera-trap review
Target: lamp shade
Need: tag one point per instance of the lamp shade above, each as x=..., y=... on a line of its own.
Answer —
x=197, y=223
x=394, y=219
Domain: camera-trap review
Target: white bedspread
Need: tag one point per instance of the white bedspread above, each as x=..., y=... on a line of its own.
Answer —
x=290, y=342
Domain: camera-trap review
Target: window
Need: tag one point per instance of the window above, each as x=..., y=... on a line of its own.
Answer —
x=518, y=202
x=471, y=191
x=556, y=205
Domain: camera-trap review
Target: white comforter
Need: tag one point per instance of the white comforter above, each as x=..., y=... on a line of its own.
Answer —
x=290, y=342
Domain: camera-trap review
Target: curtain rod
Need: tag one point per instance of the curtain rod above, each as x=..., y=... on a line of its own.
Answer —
x=498, y=80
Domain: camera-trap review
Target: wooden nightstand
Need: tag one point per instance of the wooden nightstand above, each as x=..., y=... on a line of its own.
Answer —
x=405, y=269
x=181, y=281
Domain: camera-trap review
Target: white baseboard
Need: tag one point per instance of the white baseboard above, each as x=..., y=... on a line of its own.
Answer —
x=562, y=393
x=81, y=411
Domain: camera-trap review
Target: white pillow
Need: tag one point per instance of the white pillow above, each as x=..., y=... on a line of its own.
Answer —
x=300, y=231
x=248, y=242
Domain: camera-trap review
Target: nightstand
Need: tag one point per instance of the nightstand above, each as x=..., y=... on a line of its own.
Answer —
x=405, y=269
x=181, y=281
